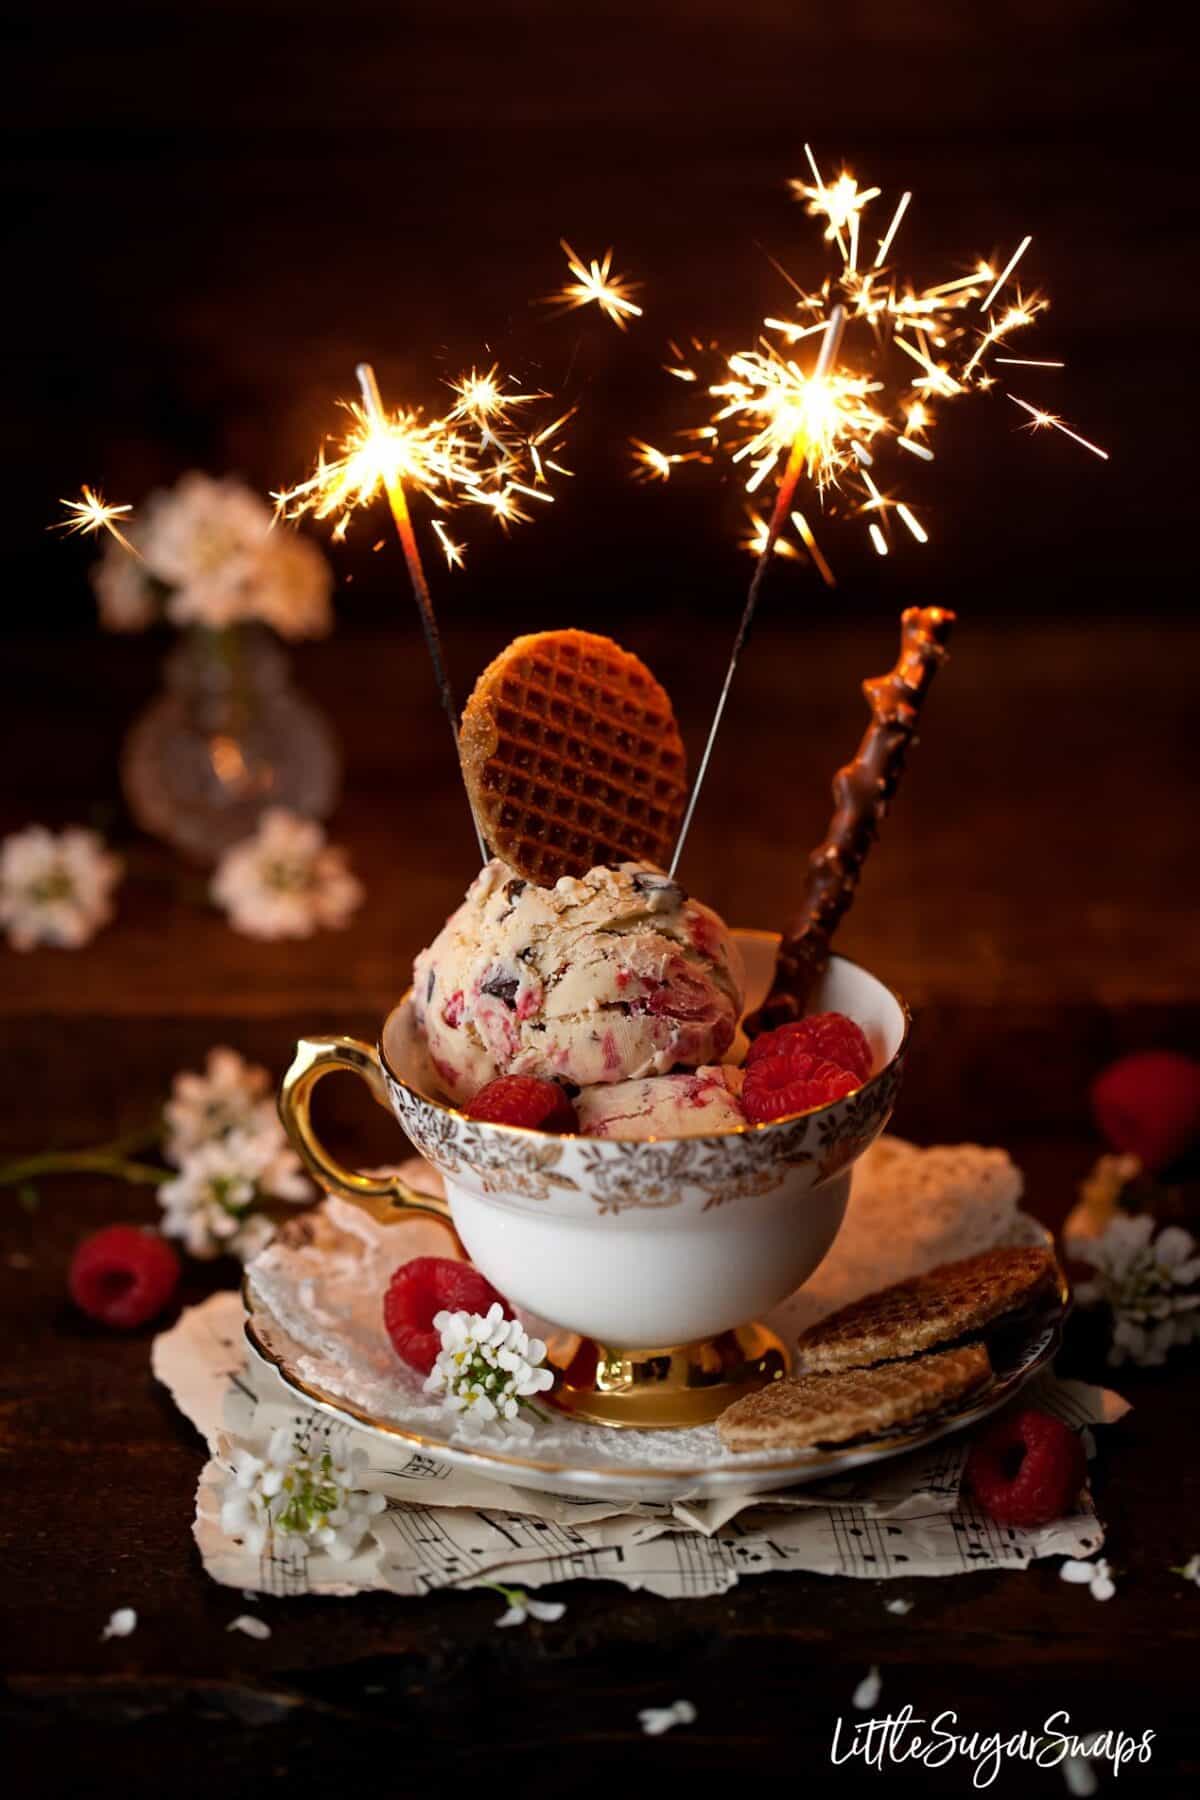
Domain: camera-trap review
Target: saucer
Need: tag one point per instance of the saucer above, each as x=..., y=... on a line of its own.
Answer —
x=314, y=1303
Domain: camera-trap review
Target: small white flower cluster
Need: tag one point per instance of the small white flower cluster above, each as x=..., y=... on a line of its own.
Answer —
x=225, y=1138
x=1190, y=1570
x=1147, y=1282
x=285, y=881
x=211, y=555
x=487, y=1367
x=55, y=888
x=298, y=1490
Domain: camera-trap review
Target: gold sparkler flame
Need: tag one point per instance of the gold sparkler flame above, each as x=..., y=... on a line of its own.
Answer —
x=475, y=453
x=755, y=539
x=92, y=513
x=809, y=402
x=1039, y=420
x=596, y=285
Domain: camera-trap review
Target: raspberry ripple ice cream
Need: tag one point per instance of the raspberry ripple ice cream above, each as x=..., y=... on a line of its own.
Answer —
x=613, y=977
x=664, y=1106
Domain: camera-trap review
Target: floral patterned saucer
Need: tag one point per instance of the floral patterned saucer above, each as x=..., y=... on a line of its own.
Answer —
x=314, y=1314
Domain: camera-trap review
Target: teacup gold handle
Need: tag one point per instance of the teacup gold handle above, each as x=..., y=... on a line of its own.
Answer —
x=385, y=1197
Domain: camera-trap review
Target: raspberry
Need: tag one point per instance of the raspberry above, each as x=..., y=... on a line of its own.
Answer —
x=792, y=1082
x=423, y=1287
x=830, y=1035
x=524, y=1100
x=123, y=1276
x=1027, y=1468
x=1148, y=1105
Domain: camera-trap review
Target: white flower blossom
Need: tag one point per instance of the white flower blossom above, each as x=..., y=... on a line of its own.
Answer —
x=298, y=1490
x=214, y=546
x=655, y=1720
x=1097, y=1575
x=487, y=1367
x=205, y=540
x=126, y=596
x=1144, y=1281
x=231, y=1095
x=209, y=1204
x=120, y=1623
x=1190, y=1570
x=285, y=881
x=521, y=1606
x=293, y=586
x=55, y=888
x=899, y=1607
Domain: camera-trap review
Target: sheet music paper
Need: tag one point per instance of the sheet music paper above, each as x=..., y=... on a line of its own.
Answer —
x=447, y=1528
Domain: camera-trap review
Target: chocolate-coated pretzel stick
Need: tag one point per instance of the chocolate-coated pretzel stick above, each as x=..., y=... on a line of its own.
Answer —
x=861, y=792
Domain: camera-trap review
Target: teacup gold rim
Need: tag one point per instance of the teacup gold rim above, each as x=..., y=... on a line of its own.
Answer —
x=730, y=1131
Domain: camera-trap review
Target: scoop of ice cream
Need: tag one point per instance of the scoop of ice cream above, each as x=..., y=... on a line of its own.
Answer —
x=661, y=1106
x=602, y=979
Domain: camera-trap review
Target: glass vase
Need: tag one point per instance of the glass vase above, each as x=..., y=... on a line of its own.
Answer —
x=228, y=737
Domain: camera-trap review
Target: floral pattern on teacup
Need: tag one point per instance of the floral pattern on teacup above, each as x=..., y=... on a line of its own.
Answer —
x=502, y=1162
x=843, y=1132
x=621, y=1175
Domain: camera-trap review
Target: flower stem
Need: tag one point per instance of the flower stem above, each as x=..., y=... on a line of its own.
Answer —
x=100, y=1161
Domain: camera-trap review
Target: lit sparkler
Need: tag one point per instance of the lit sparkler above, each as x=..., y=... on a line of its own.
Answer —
x=476, y=453
x=596, y=285
x=91, y=513
x=889, y=356
x=1039, y=419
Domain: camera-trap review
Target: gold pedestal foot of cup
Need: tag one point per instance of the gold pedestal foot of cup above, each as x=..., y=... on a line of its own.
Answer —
x=690, y=1384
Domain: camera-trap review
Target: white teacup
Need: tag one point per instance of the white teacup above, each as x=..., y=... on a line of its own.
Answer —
x=634, y=1243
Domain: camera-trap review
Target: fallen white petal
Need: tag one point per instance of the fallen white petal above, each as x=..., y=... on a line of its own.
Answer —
x=1077, y=1572
x=120, y=1623
x=868, y=1690
x=899, y=1606
x=657, y=1719
x=1077, y=1773
x=547, y=1610
x=253, y=1628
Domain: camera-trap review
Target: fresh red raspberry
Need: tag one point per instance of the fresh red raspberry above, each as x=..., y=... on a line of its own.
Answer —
x=792, y=1082
x=422, y=1288
x=830, y=1035
x=1148, y=1105
x=123, y=1276
x=1027, y=1468
x=524, y=1100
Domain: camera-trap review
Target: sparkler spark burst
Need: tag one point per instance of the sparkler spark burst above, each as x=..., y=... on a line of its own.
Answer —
x=92, y=513
x=865, y=362
x=596, y=285
x=476, y=452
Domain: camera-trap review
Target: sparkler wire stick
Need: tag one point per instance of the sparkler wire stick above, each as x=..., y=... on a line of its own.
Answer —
x=787, y=487
x=393, y=487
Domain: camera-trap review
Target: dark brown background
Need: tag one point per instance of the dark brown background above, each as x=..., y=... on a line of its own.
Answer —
x=214, y=212
x=210, y=215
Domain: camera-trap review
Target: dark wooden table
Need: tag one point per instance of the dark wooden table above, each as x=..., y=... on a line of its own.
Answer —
x=1034, y=898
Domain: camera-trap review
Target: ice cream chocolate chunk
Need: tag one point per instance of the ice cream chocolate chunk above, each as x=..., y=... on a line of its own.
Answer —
x=610, y=977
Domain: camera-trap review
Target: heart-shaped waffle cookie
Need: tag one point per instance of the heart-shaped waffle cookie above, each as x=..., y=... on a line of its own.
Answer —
x=572, y=757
